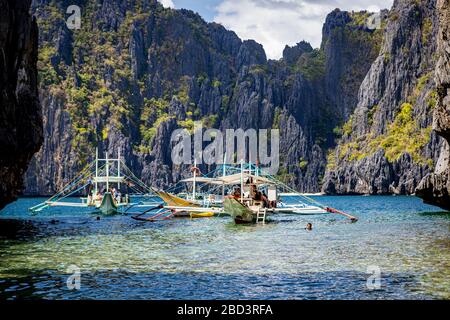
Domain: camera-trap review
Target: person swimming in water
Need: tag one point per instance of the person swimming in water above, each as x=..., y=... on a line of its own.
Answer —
x=309, y=226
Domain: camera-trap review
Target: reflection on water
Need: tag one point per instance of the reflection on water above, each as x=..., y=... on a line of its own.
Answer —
x=212, y=258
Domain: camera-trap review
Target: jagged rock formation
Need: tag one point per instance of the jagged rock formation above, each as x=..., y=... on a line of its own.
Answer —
x=20, y=118
x=136, y=71
x=387, y=145
x=435, y=187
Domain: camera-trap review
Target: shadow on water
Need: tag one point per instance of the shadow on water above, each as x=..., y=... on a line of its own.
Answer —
x=34, y=229
x=14, y=229
x=125, y=285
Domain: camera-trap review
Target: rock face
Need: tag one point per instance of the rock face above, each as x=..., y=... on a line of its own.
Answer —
x=387, y=146
x=136, y=71
x=20, y=117
x=435, y=187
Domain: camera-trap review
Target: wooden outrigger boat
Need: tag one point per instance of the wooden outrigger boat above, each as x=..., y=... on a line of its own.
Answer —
x=243, y=208
x=185, y=208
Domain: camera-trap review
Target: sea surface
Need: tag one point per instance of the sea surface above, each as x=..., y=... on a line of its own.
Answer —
x=404, y=241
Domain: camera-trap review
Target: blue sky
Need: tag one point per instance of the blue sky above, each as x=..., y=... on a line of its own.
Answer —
x=206, y=8
x=275, y=23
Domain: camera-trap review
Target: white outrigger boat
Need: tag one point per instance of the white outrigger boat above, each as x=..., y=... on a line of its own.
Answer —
x=102, y=181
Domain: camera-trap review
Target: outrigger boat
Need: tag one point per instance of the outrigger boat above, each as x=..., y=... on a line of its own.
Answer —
x=110, y=174
x=185, y=208
x=243, y=208
x=113, y=176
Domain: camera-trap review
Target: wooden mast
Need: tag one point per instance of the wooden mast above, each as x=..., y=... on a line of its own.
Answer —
x=96, y=170
x=195, y=179
x=242, y=179
x=224, y=169
x=107, y=171
x=118, y=170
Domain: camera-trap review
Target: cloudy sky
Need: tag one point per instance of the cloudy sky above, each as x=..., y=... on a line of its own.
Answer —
x=274, y=23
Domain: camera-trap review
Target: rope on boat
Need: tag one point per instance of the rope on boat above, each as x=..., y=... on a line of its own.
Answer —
x=67, y=188
x=76, y=179
x=328, y=209
x=292, y=190
x=136, y=180
x=71, y=187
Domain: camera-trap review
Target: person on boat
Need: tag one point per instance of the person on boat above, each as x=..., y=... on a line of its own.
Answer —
x=90, y=199
x=265, y=200
x=90, y=189
x=113, y=194
x=237, y=193
x=257, y=195
x=89, y=184
x=253, y=192
x=309, y=226
x=98, y=196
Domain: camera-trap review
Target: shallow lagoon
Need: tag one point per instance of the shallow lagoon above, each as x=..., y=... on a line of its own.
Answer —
x=212, y=258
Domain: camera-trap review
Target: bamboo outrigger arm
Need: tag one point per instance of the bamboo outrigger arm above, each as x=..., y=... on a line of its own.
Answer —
x=332, y=210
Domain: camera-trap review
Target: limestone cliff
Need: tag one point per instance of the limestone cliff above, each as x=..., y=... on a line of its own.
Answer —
x=20, y=117
x=435, y=187
x=387, y=145
x=136, y=71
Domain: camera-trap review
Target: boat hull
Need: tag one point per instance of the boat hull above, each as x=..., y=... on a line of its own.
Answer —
x=108, y=205
x=240, y=213
x=172, y=200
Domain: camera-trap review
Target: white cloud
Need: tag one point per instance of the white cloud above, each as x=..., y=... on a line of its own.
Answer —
x=167, y=3
x=275, y=23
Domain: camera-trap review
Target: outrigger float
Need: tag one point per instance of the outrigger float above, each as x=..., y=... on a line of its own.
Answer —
x=245, y=192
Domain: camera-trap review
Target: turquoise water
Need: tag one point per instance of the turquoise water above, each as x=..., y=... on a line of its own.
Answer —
x=211, y=258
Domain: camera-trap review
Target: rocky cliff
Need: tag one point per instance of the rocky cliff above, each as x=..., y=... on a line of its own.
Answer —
x=20, y=117
x=136, y=71
x=387, y=144
x=435, y=187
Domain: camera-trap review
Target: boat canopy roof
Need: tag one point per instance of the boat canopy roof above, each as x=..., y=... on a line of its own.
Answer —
x=110, y=179
x=203, y=180
x=231, y=179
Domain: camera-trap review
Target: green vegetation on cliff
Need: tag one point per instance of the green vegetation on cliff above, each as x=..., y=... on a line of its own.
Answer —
x=403, y=135
x=132, y=75
x=311, y=65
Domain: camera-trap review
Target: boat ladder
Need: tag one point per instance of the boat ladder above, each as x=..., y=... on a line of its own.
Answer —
x=261, y=216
